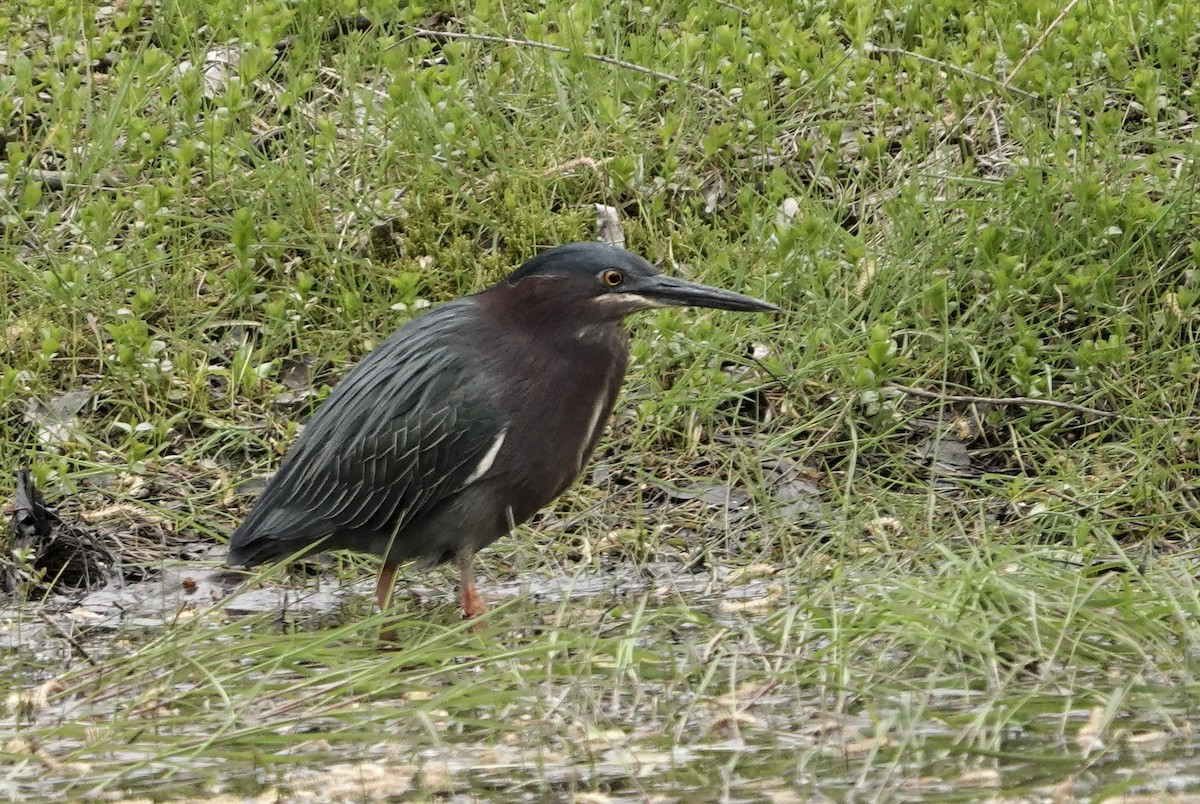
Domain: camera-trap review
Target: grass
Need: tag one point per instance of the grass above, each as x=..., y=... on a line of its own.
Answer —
x=786, y=569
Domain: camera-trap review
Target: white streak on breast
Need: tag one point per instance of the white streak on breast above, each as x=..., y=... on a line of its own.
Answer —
x=488, y=459
x=590, y=434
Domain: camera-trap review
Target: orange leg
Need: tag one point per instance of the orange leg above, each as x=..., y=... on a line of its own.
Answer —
x=383, y=596
x=471, y=601
x=385, y=585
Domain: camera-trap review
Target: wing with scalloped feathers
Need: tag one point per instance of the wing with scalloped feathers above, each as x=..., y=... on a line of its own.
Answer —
x=404, y=430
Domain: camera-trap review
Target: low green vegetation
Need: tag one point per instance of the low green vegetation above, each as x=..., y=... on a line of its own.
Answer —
x=928, y=535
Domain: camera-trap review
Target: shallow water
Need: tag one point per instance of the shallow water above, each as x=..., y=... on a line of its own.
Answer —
x=621, y=682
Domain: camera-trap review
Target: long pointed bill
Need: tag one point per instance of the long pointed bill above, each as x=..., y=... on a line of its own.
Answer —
x=667, y=291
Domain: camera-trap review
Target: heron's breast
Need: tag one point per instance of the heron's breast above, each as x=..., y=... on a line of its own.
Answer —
x=555, y=426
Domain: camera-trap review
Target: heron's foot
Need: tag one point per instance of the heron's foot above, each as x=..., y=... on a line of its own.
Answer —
x=470, y=599
x=473, y=607
x=472, y=603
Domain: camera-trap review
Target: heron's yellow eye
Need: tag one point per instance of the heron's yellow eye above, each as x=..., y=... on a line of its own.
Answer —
x=612, y=277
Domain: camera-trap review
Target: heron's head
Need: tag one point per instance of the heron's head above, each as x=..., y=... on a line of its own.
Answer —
x=593, y=281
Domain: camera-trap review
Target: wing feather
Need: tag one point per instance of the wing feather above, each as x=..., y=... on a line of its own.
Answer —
x=399, y=435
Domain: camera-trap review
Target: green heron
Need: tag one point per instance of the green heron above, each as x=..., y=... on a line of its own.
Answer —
x=466, y=421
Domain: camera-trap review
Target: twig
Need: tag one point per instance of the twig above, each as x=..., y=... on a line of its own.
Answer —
x=74, y=643
x=732, y=7
x=58, y=180
x=1041, y=40
x=782, y=383
x=1005, y=84
x=1017, y=401
x=954, y=68
x=615, y=62
x=1025, y=57
x=359, y=23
